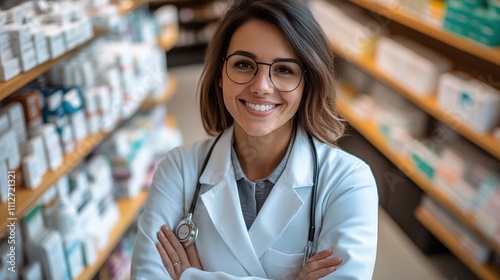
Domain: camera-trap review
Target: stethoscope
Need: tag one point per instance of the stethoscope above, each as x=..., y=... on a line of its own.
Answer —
x=187, y=232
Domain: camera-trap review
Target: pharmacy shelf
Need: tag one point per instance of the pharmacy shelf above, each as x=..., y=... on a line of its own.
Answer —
x=27, y=199
x=128, y=210
x=462, y=43
x=428, y=103
x=168, y=37
x=12, y=85
x=370, y=131
x=150, y=103
x=451, y=241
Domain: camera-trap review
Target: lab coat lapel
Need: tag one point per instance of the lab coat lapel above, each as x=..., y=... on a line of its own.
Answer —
x=283, y=202
x=223, y=206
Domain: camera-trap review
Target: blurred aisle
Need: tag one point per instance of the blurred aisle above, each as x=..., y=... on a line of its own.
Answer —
x=398, y=258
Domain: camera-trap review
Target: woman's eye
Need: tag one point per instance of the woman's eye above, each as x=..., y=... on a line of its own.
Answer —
x=244, y=65
x=284, y=70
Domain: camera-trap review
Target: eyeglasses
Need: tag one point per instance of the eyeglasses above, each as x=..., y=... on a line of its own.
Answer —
x=285, y=74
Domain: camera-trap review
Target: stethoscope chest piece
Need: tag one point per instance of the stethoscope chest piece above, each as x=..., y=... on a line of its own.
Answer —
x=186, y=231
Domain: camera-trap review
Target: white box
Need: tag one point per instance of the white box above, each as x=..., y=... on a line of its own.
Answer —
x=27, y=60
x=3, y=17
x=402, y=58
x=67, y=138
x=9, y=69
x=55, y=41
x=449, y=87
x=16, y=120
x=35, y=146
x=8, y=140
x=32, y=174
x=480, y=106
x=51, y=144
x=40, y=45
x=15, y=14
x=78, y=125
x=19, y=34
x=6, y=54
x=33, y=271
x=49, y=251
x=74, y=256
x=4, y=123
x=4, y=181
x=91, y=111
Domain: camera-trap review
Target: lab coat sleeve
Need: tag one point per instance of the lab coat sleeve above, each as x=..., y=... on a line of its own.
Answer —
x=164, y=205
x=350, y=224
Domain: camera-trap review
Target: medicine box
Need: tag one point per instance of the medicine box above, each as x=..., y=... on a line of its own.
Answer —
x=402, y=58
x=9, y=69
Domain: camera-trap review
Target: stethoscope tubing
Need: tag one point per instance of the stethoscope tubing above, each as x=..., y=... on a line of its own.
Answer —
x=312, y=212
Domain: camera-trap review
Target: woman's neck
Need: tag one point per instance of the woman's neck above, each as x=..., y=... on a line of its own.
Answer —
x=259, y=156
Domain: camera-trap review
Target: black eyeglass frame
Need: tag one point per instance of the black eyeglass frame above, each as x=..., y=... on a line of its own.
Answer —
x=302, y=70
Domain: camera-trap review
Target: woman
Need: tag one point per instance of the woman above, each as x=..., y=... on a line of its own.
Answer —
x=267, y=92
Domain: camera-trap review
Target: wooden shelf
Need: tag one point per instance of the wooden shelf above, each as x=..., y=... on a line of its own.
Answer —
x=128, y=209
x=26, y=198
x=428, y=103
x=370, y=131
x=168, y=37
x=14, y=84
x=462, y=43
x=451, y=241
x=169, y=92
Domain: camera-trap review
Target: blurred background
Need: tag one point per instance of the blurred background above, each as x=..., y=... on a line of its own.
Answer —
x=94, y=93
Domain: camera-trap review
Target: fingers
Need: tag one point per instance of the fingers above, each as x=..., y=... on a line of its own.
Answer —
x=178, y=248
x=172, y=252
x=167, y=263
x=193, y=257
x=320, y=255
x=319, y=265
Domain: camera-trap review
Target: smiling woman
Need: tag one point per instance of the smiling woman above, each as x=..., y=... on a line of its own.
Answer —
x=250, y=199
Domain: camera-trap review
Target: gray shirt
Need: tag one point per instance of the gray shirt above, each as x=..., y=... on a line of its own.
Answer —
x=254, y=194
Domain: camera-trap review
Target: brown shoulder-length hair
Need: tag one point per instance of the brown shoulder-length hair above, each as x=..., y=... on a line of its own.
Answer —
x=316, y=112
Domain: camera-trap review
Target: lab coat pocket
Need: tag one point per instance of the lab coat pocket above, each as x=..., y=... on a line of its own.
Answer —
x=279, y=265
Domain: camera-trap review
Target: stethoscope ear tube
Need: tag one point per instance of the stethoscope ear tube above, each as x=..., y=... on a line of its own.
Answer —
x=186, y=230
x=309, y=251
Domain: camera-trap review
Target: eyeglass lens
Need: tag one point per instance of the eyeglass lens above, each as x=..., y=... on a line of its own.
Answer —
x=285, y=75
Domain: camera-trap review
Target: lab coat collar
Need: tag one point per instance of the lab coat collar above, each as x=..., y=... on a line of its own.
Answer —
x=298, y=171
x=223, y=204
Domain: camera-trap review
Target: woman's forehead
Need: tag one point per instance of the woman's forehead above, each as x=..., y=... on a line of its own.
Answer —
x=262, y=39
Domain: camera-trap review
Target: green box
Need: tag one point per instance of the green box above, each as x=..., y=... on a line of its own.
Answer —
x=474, y=4
x=486, y=24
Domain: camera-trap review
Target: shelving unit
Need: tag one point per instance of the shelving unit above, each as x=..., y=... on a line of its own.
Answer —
x=467, y=45
x=9, y=87
x=434, y=36
x=168, y=38
x=451, y=241
x=428, y=104
x=370, y=131
x=26, y=199
x=169, y=92
x=128, y=209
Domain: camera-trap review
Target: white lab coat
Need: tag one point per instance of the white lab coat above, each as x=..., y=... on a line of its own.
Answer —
x=273, y=248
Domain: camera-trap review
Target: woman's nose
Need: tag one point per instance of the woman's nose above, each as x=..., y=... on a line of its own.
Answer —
x=262, y=83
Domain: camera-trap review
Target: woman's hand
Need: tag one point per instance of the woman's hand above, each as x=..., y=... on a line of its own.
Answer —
x=319, y=266
x=175, y=257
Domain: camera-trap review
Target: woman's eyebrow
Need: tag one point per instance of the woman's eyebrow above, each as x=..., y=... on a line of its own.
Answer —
x=245, y=53
x=252, y=55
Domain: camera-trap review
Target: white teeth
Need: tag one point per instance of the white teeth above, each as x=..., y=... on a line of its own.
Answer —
x=261, y=108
